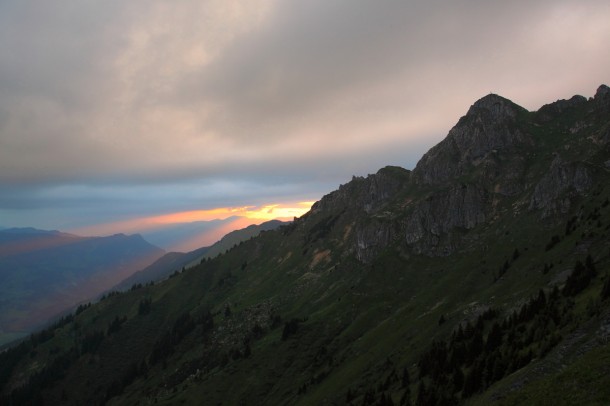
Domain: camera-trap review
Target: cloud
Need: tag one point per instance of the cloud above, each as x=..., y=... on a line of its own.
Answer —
x=327, y=66
x=110, y=108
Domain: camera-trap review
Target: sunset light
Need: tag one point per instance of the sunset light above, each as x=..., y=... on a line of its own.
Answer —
x=244, y=216
x=278, y=211
x=266, y=212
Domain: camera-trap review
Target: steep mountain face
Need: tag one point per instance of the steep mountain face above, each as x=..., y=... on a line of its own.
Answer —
x=489, y=128
x=479, y=277
x=498, y=155
x=45, y=272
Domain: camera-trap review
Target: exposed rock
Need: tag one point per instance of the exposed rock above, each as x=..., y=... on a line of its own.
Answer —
x=488, y=162
x=564, y=179
x=489, y=127
x=602, y=101
x=365, y=193
x=550, y=111
x=372, y=237
x=427, y=228
x=462, y=206
x=603, y=92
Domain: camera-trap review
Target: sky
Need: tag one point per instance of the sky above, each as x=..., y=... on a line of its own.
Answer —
x=121, y=116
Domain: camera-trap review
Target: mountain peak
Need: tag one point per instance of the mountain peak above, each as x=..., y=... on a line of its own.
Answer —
x=602, y=99
x=490, y=99
x=487, y=127
x=495, y=107
x=602, y=91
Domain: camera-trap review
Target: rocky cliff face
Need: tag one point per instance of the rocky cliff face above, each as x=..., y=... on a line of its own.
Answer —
x=498, y=157
x=367, y=194
x=562, y=182
x=461, y=206
x=490, y=127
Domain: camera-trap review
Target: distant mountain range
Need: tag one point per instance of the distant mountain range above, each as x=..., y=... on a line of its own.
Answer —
x=45, y=272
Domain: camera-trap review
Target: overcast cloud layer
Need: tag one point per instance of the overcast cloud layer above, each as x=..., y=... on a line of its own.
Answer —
x=111, y=109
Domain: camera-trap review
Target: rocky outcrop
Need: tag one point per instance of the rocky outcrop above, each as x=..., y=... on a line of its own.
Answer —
x=602, y=99
x=556, y=188
x=487, y=128
x=427, y=224
x=462, y=206
x=550, y=111
x=498, y=157
x=371, y=237
x=366, y=194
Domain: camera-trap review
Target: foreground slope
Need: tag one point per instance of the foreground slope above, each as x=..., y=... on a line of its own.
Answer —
x=476, y=278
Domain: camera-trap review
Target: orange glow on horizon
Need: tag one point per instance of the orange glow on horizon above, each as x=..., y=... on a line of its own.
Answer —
x=197, y=215
x=277, y=211
x=256, y=214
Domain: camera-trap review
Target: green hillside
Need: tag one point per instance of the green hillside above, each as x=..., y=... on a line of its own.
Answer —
x=481, y=276
x=176, y=261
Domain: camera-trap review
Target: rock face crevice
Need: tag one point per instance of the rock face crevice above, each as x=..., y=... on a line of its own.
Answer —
x=563, y=180
x=462, y=206
x=498, y=157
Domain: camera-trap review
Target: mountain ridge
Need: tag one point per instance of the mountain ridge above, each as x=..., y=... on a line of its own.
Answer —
x=176, y=261
x=481, y=147
x=475, y=278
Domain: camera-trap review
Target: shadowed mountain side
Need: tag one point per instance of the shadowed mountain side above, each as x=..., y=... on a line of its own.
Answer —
x=161, y=268
x=176, y=261
x=237, y=236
